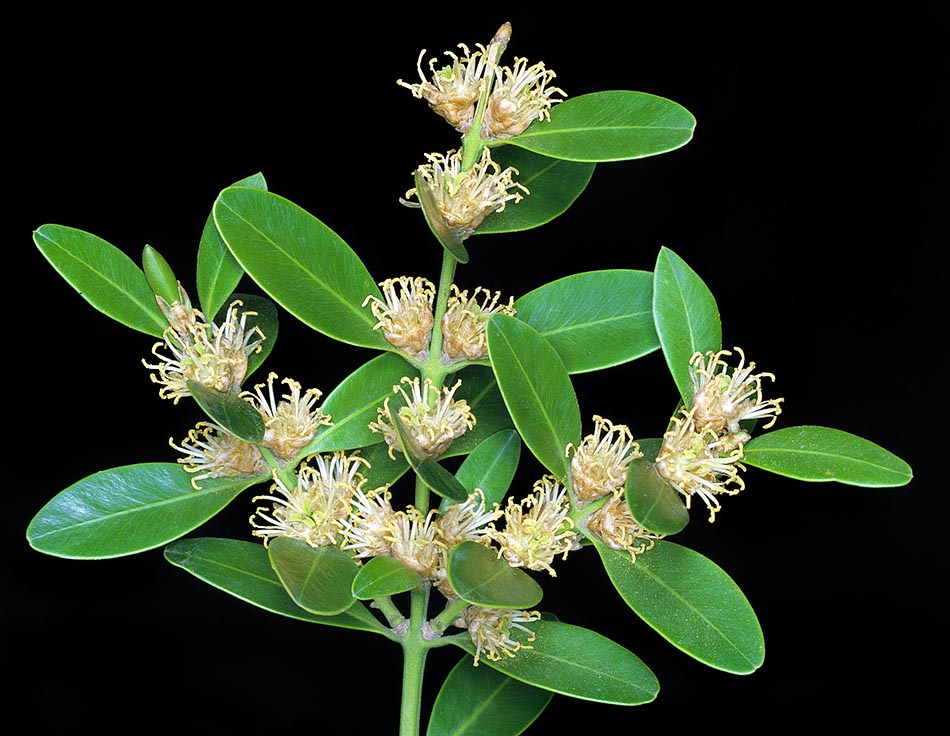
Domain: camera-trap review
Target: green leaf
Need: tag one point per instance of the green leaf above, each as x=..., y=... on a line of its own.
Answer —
x=491, y=466
x=691, y=602
x=384, y=576
x=353, y=404
x=654, y=503
x=436, y=478
x=481, y=701
x=300, y=263
x=480, y=391
x=262, y=313
x=576, y=662
x=319, y=579
x=819, y=454
x=243, y=570
x=230, y=411
x=103, y=275
x=443, y=234
x=596, y=319
x=480, y=577
x=686, y=315
x=554, y=185
x=383, y=469
x=126, y=510
x=537, y=390
x=613, y=125
x=218, y=272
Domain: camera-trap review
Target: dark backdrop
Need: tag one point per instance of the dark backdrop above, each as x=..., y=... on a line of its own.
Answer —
x=807, y=200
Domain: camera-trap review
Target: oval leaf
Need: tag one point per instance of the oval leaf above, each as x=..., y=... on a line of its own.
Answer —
x=819, y=454
x=353, y=404
x=230, y=411
x=159, y=275
x=300, y=263
x=492, y=466
x=480, y=577
x=218, y=272
x=594, y=333
x=654, y=503
x=243, y=569
x=537, y=390
x=576, y=662
x=553, y=184
x=690, y=602
x=383, y=576
x=613, y=125
x=126, y=510
x=686, y=317
x=319, y=579
x=475, y=701
x=103, y=275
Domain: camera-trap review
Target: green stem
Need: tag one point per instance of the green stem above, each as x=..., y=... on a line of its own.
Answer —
x=414, y=649
x=434, y=369
x=472, y=143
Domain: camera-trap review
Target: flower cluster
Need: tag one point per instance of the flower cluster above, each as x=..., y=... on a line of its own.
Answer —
x=702, y=451
x=463, y=324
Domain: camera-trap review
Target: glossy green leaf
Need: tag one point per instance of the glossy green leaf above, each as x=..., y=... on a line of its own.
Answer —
x=596, y=319
x=300, y=263
x=554, y=185
x=230, y=411
x=481, y=701
x=442, y=232
x=319, y=579
x=159, y=275
x=436, y=478
x=103, y=275
x=258, y=312
x=691, y=602
x=383, y=576
x=576, y=662
x=480, y=391
x=613, y=125
x=218, y=272
x=353, y=404
x=383, y=469
x=126, y=510
x=243, y=569
x=491, y=466
x=686, y=316
x=654, y=503
x=537, y=390
x=480, y=577
x=812, y=453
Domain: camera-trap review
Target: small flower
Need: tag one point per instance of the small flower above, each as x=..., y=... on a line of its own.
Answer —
x=413, y=541
x=522, y=96
x=212, y=452
x=463, y=324
x=367, y=531
x=491, y=630
x=181, y=316
x=452, y=90
x=430, y=418
x=699, y=462
x=465, y=198
x=600, y=462
x=312, y=511
x=615, y=527
x=537, y=529
x=213, y=355
x=291, y=423
x=457, y=523
x=405, y=318
x=721, y=399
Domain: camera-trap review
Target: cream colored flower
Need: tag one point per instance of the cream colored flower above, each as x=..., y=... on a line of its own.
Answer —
x=452, y=90
x=457, y=523
x=600, y=462
x=211, y=452
x=523, y=94
x=491, y=630
x=463, y=324
x=368, y=530
x=414, y=543
x=615, y=527
x=291, y=423
x=405, y=318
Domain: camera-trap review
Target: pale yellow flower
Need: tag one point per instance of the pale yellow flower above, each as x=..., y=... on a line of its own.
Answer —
x=290, y=423
x=211, y=452
x=523, y=94
x=491, y=630
x=613, y=524
x=600, y=462
x=367, y=531
x=463, y=324
x=405, y=318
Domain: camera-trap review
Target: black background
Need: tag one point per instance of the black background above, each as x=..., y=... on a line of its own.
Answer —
x=811, y=200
